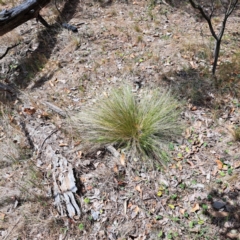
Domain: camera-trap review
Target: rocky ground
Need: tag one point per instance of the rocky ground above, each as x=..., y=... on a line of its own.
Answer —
x=58, y=73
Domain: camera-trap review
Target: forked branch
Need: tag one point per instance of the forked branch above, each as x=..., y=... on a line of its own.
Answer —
x=229, y=7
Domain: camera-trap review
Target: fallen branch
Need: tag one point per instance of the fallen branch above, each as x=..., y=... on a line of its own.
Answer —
x=55, y=109
x=14, y=17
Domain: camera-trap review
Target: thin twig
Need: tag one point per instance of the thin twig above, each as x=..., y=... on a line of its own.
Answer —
x=12, y=229
x=40, y=150
x=42, y=21
x=9, y=48
x=207, y=18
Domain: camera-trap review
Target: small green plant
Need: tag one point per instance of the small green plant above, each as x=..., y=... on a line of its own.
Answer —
x=171, y=146
x=222, y=174
x=194, y=182
x=169, y=235
x=64, y=230
x=192, y=224
x=81, y=227
x=160, y=234
x=182, y=185
x=141, y=125
x=204, y=207
x=201, y=222
x=210, y=197
x=139, y=38
x=130, y=14
x=159, y=217
x=165, y=37
x=174, y=197
x=229, y=171
x=219, y=181
x=176, y=219
x=86, y=200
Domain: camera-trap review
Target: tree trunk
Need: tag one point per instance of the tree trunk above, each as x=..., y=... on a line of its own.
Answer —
x=12, y=18
x=216, y=55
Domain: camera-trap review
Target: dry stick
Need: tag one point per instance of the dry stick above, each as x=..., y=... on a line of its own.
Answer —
x=40, y=150
x=9, y=48
x=113, y=151
x=65, y=25
x=42, y=21
x=56, y=109
x=12, y=229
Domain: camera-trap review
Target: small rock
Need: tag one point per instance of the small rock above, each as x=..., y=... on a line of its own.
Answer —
x=39, y=163
x=218, y=204
x=198, y=185
x=228, y=225
x=86, y=162
x=95, y=215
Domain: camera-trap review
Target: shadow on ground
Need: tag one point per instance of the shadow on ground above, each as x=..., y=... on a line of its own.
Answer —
x=33, y=61
x=224, y=211
x=191, y=85
x=202, y=89
x=47, y=40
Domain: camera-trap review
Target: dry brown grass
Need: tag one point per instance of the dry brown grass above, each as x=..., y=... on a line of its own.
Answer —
x=191, y=49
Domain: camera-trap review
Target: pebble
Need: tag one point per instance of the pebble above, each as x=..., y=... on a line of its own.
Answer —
x=218, y=204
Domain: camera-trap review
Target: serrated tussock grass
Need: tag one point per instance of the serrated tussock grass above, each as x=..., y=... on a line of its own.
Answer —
x=142, y=124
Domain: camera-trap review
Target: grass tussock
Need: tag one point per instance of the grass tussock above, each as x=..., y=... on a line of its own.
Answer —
x=140, y=124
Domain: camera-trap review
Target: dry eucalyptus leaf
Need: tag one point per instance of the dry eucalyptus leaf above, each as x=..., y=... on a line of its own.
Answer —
x=219, y=164
x=195, y=207
x=122, y=159
x=2, y=216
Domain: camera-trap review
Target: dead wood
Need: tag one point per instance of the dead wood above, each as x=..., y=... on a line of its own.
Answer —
x=12, y=18
x=45, y=138
x=56, y=109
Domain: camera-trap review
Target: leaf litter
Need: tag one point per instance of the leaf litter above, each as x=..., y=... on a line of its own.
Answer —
x=196, y=197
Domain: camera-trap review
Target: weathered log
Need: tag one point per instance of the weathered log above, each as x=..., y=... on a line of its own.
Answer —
x=14, y=17
x=44, y=138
